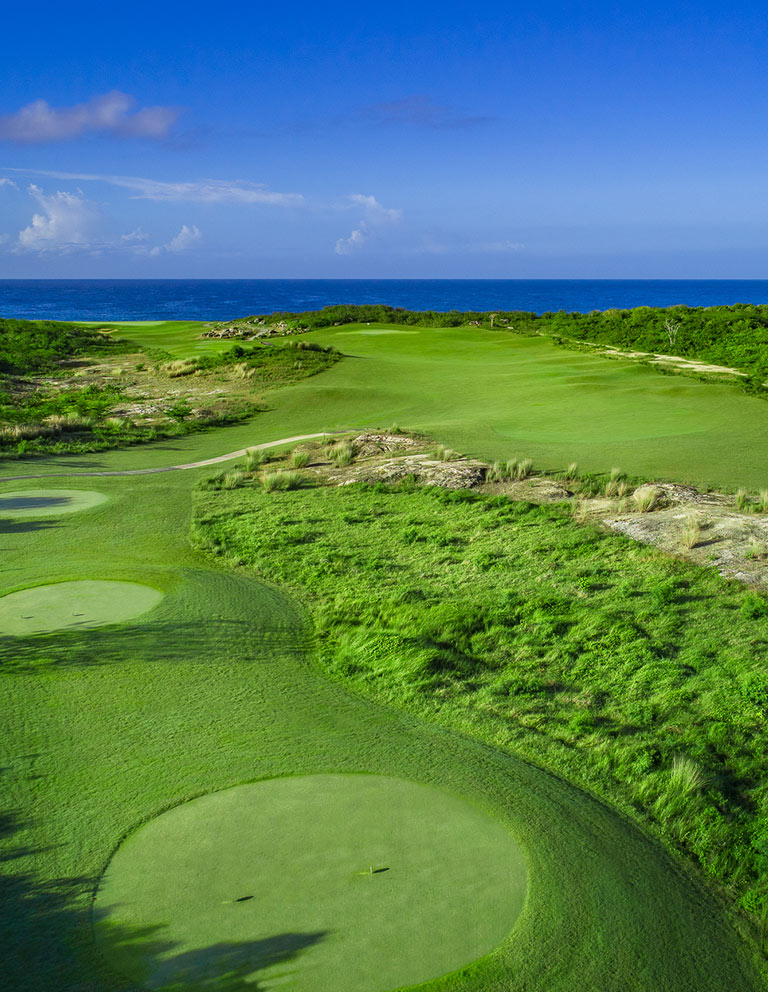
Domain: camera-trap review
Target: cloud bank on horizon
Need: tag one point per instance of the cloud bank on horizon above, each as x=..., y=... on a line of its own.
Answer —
x=573, y=141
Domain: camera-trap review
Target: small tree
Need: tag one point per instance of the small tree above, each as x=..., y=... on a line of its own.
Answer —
x=180, y=410
x=672, y=327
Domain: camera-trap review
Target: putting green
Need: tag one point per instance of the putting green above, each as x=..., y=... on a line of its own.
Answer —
x=352, y=883
x=47, y=502
x=73, y=606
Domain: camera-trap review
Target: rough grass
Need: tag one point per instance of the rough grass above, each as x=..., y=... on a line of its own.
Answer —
x=599, y=657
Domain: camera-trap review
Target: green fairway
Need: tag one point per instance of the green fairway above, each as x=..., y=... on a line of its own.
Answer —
x=73, y=605
x=363, y=883
x=47, y=502
x=498, y=395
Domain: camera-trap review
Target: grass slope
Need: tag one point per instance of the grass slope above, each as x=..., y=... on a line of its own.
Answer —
x=217, y=686
x=626, y=670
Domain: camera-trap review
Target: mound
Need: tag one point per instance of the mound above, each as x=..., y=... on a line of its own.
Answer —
x=47, y=502
x=73, y=606
x=352, y=883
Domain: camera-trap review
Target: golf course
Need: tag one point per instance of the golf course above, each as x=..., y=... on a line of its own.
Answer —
x=198, y=796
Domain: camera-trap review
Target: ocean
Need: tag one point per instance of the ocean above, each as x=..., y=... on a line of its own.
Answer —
x=222, y=299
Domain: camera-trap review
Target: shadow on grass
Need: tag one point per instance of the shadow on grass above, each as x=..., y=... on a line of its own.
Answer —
x=168, y=642
x=46, y=940
x=26, y=526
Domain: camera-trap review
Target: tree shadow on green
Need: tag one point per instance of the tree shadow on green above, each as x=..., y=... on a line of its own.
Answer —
x=46, y=927
x=142, y=954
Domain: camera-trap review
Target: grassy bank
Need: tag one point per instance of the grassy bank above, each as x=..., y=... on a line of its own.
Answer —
x=623, y=669
x=56, y=398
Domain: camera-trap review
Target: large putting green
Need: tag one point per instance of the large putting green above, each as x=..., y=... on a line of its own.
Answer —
x=47, y=502
x=74, y=605
x=364, y=883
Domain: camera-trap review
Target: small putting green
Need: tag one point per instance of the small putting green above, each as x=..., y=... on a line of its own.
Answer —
x=47, y=502
x=74, y=606
x=352, y=883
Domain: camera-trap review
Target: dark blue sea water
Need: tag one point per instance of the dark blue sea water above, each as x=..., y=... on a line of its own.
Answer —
x=221, y=299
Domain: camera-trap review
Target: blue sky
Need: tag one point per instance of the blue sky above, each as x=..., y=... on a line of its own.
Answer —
x=557, y=140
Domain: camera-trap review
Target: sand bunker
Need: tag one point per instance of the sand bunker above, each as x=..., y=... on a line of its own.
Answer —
x=74, y=606
x=47, y=502
x=350, y=883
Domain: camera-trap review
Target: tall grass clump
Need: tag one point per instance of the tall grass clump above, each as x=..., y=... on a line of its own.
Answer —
x=617, y=475
x=743, y=501
x=253, y=458
x=571, y=474
x=498, y=472
x=342, y=453
x=691, y=533
x=519, y=468
x=762, y=502
x=299, y=459
x=232, y=480
x=443, y=454
x=646, y=498
x=281, y=480
x=685, y=777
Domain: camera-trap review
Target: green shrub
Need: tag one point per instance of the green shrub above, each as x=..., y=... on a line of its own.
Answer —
x=299, y=459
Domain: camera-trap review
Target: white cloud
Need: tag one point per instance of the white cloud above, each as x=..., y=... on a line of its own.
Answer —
x=374, y=215
x=64, y=223
x=133, y=236
x=187, y=238
x=199, y=191
x=356, y=239
x=8, y=182
x=374, y=210
x=110, y=113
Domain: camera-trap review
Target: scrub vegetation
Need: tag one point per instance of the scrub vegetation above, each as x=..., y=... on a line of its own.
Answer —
x=55, y=399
